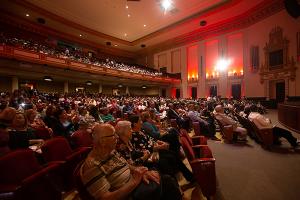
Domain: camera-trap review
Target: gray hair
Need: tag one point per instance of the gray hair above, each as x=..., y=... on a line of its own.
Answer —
x=122, y=127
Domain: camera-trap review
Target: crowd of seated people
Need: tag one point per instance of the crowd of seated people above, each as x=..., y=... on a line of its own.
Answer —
x=130, y=146
x=73, y=54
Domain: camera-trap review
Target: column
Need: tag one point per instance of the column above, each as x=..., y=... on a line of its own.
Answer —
x=100, y=88
x=14, y=83
x=127, y=91
x=184, y=82
x=66, y=87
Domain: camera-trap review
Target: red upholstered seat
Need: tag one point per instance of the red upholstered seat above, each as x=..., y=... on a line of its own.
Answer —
x=22, y=177
x=203, y=166
x=83, y=193
x=42, y=133
x=197, y=129
x=58, y=149
x=195, y=140
x=82, y=139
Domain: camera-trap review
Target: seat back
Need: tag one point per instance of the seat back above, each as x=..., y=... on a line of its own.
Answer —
x=197, y=130
x=183, y=133
x=227, y=131
x=187, y=148
x=17, y=165
x=82, y=139
x=83, y=193
x=42, y=133
x=56, y=149
x=265, y=135
x=22, y=177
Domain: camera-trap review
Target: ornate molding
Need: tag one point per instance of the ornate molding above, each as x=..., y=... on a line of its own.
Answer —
x=286, y=67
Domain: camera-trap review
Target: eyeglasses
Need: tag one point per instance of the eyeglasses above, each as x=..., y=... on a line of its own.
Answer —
x=107, y=136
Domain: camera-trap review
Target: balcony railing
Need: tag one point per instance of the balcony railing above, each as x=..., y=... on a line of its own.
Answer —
x=40, y=58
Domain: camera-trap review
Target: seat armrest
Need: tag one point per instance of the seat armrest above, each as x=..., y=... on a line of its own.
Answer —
x=8, y=190
x=202, y=160
x=40, y=173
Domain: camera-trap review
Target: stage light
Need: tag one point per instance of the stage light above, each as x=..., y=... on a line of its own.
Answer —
x=89, y=83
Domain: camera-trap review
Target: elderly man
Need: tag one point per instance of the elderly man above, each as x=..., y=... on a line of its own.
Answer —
x=106, y=175
x=226, y=120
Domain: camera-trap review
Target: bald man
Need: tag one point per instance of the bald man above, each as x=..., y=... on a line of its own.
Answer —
x=105, y=174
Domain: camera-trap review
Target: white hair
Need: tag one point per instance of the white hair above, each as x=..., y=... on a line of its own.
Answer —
x=122, y=127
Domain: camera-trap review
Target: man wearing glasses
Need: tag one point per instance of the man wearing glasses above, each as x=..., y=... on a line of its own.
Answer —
x=105, y=174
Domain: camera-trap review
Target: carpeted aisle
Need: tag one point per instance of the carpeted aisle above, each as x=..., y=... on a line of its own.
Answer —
x=249, y=172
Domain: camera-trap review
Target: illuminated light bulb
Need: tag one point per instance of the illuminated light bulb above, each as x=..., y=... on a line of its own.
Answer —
x=223, y=64
x=166, y=4
x=242, y=72
x=207, y=75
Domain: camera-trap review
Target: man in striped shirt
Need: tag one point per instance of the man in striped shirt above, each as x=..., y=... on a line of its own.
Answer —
x=105, y=174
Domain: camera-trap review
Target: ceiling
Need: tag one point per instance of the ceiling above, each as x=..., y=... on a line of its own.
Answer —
x=101, y=21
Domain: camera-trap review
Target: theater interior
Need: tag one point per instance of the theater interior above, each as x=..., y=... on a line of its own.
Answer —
x=221, y=75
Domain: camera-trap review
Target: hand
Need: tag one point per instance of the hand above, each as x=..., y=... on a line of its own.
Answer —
x=146, y=154
x=151, y=176
x=137, y=174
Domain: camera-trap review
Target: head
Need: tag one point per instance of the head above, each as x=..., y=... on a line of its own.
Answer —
x=61, y=114
x=30, y=115
x=19, y=121
x=219, y=109
x=191, y=107
x=124, y=131
x=136, y=123
x=104, y=138
x=145, y=116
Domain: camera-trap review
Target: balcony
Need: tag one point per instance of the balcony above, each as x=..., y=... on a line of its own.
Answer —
x=65, y=63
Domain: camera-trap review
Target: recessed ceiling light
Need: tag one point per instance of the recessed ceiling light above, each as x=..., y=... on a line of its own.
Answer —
x=27, y=15
x=145, y=25
x=80, y=35
x=115, y=45
x=48, y=78
x=128, y=15
x=126, y=7
x=89, y=83
x=125, y=34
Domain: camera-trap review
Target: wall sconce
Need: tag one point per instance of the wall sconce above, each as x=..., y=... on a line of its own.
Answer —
x=193, y=78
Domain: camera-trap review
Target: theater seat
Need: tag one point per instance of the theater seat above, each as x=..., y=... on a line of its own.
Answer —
x=203, y=166
x=42, y=133
x=197, y=130
x=83, y=193
x=226, y=131
x=59, y=150
x=265, y=135
x=195, y=140
x=22, y=177
x=81, y=139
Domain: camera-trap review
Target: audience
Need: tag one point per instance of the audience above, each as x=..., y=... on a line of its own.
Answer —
x=73, y=54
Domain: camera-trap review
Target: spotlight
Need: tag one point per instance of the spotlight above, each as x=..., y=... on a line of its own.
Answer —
x=119, y=85
x=48, y=78
x=144, y=86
